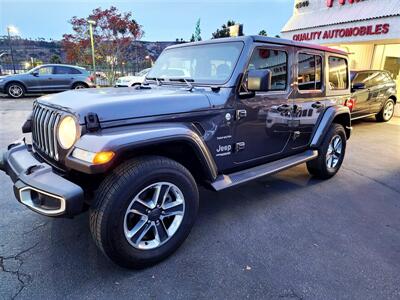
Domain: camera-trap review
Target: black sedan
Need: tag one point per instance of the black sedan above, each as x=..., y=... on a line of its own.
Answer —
x=373, y=94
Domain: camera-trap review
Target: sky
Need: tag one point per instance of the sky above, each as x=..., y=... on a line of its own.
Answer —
x=161, y=20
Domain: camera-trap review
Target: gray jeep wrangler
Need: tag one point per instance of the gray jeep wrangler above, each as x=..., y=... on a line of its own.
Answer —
x=217, y=113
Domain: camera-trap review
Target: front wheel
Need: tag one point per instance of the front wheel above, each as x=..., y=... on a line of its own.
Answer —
x=330, y=153
x=78, y=86
x=15, y=90
x=386, y=112
x=144, y=211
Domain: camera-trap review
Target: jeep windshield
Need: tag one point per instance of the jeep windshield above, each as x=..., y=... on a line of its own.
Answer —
x=202, y=64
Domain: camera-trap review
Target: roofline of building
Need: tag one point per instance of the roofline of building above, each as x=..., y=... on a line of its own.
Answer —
x=337, y=23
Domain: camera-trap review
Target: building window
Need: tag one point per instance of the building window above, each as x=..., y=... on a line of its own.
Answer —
x=273, y=60
x=338, y=73
x=309, y=72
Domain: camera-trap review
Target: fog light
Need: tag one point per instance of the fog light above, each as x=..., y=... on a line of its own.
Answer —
x=98, y=158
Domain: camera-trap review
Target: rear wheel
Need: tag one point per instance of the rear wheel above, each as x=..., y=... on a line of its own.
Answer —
x=330, y=153
x=386, y=112
x=15, y=90
x=144, y=211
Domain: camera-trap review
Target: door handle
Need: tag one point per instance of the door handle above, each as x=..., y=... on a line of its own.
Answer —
x=317, y=105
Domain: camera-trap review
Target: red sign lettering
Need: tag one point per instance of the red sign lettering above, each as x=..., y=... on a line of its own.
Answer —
x=378, y=29
x=329, y=3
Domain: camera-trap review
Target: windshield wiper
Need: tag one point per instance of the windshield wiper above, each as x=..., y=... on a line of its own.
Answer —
x=185, y=80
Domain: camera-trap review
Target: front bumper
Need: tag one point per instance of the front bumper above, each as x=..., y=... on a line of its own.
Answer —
x=37, y=186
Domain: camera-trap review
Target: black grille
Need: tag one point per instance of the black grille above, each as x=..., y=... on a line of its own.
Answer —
x=44, y=126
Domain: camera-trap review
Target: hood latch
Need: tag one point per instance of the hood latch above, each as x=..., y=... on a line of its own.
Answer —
x=92, y=122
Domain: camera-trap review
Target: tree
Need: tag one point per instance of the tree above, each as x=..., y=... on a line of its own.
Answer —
x=263, y=33
x=55, y=59
x=278, y=36
x=197, y=31
x=192, y=38
x=224, y=30
x=113, y=34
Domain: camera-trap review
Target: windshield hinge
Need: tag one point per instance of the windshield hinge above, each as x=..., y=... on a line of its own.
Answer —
x=92, y=122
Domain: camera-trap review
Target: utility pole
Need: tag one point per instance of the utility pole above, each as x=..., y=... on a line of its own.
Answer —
x=91, y=23
x=14, y=30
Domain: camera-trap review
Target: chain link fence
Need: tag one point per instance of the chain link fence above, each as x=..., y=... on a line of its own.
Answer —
x=106, y=75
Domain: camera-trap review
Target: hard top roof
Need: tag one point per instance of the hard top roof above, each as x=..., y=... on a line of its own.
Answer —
x=262, y=39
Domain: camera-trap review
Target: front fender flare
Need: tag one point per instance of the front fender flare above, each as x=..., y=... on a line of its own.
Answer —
x=129, y=138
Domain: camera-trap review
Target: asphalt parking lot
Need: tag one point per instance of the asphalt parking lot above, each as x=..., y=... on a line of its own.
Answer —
x=282, y=237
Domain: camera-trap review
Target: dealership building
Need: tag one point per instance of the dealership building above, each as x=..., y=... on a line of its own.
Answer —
x=369, y=30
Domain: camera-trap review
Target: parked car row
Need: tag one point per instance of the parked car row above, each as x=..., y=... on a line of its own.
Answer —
x=373, y=91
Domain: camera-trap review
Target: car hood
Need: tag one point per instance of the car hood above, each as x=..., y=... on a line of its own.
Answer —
x=112, y=104
x=14, y=76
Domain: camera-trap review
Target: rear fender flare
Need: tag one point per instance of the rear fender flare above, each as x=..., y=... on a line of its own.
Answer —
x=338, y=113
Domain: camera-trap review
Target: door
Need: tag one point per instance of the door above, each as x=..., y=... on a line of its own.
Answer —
x=361, y=96
x=309, y=97
x=378, y=91
x=262, y=122
x=45, y=80
x=63, y=77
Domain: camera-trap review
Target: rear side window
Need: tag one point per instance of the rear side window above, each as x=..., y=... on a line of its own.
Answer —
x=379, y=78
x=273, y=60
x=61, y=70
x=338, y=73
x=75, y=71
x=65, y=70
x=309, y=72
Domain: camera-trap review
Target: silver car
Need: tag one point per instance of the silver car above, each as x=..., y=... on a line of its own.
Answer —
x=46, y=78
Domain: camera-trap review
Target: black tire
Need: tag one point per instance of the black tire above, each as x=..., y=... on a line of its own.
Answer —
x=79, y=85
x=319, y=166
x=15, y=90
x=135, y=84
x=114, y=197
x=386, y=114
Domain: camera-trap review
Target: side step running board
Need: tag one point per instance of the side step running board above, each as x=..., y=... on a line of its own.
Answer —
x=233, y=179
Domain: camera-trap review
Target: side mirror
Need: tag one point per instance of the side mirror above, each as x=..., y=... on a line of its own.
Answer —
x=36, y=73
x=259, y=80
x=359, y=86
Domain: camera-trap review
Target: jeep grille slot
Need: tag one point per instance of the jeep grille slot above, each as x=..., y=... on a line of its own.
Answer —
x=44, y=126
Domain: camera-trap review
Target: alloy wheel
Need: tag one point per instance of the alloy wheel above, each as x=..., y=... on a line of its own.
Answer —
x=79, y=86
x=334, y=152
x=154, y=215
x=388, y=111
x=15, y=90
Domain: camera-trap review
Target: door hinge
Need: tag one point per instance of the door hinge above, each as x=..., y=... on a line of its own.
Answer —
x=240, y=146
x=241, y=113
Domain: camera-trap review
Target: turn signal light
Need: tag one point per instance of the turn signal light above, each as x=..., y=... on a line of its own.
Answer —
x=103, y=157
x=350, y=103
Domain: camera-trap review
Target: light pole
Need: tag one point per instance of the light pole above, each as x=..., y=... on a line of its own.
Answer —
x=91, y=23
x=11, y=29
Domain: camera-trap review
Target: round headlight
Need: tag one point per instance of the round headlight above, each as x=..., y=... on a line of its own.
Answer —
x=67, y=132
